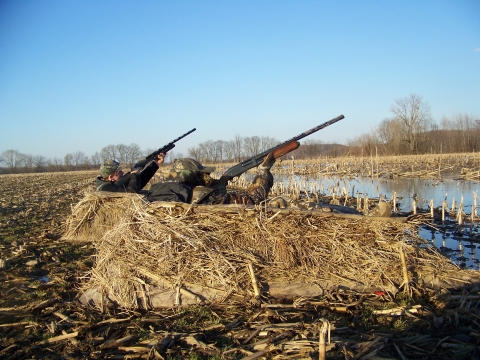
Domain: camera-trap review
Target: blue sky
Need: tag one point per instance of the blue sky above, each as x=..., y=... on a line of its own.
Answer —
x=81, y=75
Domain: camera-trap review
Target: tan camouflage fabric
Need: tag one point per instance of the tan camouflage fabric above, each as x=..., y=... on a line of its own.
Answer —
x=192, y=165
x=191, y=177
x=256, y=193
x=191, y=172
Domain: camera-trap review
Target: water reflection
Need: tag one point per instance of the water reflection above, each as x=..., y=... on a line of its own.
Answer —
x=424, y=190
x=463, y=249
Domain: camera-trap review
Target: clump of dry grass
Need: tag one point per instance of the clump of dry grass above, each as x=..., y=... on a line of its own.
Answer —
x=98, y=212
x=141, y=246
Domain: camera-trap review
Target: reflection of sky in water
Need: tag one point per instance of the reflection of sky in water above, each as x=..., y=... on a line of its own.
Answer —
x=425, y=189
x=463, y=250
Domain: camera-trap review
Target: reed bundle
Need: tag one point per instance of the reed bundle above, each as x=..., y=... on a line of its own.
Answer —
x=200, y=250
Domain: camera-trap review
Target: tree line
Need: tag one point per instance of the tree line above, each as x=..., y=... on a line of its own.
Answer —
x=234, y=150
x=13, y=161
x=410, y=130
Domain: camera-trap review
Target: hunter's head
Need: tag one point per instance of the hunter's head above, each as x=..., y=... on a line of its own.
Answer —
x=190, y=164
x=111, y=170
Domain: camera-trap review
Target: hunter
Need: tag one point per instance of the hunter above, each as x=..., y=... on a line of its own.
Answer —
x=113, y=179
x=188, y=180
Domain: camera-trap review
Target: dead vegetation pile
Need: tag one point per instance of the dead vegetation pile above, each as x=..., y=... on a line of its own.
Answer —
x=163, y=254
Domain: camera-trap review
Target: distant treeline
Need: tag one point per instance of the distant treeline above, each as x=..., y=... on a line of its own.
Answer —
x=214, y=152
x=13, y=161
x=410, y=131
x=413, y=131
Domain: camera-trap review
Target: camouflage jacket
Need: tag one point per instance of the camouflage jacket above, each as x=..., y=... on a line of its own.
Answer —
x=255, y=194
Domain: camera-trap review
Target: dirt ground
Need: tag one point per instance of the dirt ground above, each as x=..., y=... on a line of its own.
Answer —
x=41, y=318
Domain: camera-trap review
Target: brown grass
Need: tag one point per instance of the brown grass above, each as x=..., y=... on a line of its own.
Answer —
x=141, y=246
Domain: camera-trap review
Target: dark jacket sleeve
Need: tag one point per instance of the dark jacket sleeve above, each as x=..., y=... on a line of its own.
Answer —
x=147, y=173
x=125, y=184
x=140, y=164
x=130, y=182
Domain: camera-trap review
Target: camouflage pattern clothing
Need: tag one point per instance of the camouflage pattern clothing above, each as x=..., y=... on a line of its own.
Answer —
x=109, y=167
x=193, y=173
x=256, y=193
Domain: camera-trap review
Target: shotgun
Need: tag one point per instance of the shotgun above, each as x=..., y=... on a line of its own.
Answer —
x=163, y=149
x=278, y=151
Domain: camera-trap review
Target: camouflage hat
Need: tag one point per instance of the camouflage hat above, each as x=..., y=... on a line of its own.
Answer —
x=191, y=164
x=108, y=168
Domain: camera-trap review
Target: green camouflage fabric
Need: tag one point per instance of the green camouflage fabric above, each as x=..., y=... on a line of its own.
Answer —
x=191, y=172
x=108, y=168
x=194, y=178
x=187, y=176
x=256, y=193
x=192, y=165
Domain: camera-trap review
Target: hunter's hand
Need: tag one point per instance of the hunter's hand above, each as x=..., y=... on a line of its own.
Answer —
x=160, y=158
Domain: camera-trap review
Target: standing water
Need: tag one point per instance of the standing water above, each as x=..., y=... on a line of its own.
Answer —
x=460, y=243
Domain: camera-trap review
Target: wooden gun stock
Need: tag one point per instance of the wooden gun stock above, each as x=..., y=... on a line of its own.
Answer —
x=285, y=149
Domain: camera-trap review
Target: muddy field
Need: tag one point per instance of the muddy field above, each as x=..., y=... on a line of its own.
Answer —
x=40, y=316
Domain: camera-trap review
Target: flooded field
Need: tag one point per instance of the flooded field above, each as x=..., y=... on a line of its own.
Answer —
x=461, y=243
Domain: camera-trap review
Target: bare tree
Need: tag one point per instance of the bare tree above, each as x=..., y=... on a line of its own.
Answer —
x=171, y=156
x=68, y=161
x=237, y=147
x=446, y=123
x=251, y=145
x=389, y=134
x=219, y=150
x=207, y=151
x=109, y=153
x=310, y=148
x=365, y=143
x=267, y=142
x=128, y=154
x=229, y=150
x=174, y=155
x=79, y=159
x=55, y=164
x=12, y=159
x=27, y=162
x=39, y=163
x=466, y=125
x=96, y=160
x=135, y=153
x=414, y=116
x=195, y=152
x=122, y=153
